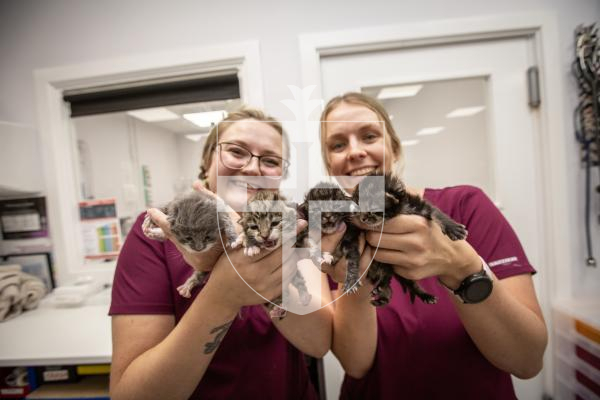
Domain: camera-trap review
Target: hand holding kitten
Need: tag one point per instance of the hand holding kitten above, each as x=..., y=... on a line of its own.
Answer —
x=417, y=249
x=261, y=273
x=199, y=261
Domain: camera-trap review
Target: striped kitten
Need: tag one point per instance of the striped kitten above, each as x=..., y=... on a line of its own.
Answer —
x=263, y=224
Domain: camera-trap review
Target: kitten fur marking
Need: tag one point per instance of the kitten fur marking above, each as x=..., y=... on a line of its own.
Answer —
x=399, y=201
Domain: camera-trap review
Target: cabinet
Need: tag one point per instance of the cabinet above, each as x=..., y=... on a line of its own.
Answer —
x=50, y=336
x=576, y=350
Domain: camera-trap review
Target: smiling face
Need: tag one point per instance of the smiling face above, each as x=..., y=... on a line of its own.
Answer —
x=356, y=142
x=235, y=186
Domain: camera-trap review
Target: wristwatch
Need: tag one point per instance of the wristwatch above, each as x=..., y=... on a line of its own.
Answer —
x=474, y=288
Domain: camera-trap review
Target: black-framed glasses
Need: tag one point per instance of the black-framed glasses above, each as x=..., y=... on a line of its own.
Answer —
x=234, y=156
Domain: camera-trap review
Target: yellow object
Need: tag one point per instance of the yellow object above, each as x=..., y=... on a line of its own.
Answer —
x=99, y=369
x=588, y=331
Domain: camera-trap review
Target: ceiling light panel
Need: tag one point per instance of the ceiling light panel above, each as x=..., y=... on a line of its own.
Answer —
x=195, y=137
x=206, y=119
x=394, y=92
x=433, y=130
x=465, y=112
x=412, y=142
x=154, y=114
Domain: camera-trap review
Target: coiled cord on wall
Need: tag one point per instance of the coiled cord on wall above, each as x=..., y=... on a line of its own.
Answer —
x=586, y=68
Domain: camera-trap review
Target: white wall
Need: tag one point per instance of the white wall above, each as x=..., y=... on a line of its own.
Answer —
x=189, y=157
x=17, y=171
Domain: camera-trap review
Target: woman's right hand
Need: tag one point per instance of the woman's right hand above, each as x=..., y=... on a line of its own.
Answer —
x=261, y=276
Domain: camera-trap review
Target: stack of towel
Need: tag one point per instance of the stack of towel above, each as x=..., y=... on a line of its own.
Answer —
x=18, y=291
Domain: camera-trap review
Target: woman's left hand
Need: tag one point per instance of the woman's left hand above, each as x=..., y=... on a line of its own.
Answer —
x=418, y=249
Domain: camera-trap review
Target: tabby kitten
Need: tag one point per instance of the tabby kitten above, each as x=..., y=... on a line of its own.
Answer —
x=331, y=219
x=398, y=201
x=196, y=224
x=264, y=223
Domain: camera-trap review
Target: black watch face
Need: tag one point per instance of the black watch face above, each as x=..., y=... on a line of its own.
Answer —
x=478, y=290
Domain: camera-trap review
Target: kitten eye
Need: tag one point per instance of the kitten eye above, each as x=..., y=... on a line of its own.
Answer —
x=253, y=226
x=275, y=223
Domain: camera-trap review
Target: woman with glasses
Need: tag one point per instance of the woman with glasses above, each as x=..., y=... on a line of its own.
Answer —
x=486, y=324
x=221, y=342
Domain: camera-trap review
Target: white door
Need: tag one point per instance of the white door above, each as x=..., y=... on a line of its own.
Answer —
x=492, y=147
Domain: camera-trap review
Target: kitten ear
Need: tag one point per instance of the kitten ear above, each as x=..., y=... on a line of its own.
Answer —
x=391, y=200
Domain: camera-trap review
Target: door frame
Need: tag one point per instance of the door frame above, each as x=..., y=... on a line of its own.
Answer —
x=550, y=158
x=58, y=149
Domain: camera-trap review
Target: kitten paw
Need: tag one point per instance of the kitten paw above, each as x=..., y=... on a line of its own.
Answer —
x=352, y=288
x=352, y=284
x=185, y=291
x=326, y=258
x=378, y=300
x=277, y=312
x=456, y=232
x=234, y=244
x=428, y=298
x=251, y=251
x=151, y=230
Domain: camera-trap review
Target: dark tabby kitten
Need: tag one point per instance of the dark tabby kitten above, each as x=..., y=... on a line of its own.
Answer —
x=333, y=214
x=398, y=201
x=263, y=223
x=196, y=224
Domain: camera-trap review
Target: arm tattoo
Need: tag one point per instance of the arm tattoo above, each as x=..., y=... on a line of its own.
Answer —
x=220, y=331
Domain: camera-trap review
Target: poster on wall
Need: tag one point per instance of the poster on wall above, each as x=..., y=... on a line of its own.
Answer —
x=100, y=229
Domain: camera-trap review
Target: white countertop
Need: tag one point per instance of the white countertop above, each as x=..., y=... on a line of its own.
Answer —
x=55, y=336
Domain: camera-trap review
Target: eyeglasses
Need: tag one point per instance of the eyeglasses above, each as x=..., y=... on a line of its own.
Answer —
x=235, y=156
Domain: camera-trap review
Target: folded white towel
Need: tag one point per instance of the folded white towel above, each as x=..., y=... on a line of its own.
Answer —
x=10, y=292
x=32, y=291
x=18, y=292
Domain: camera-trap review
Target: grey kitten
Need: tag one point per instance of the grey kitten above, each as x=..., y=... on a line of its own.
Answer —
x=263, y=227
x=331, y=195
x=196, y=224
x=398, y=201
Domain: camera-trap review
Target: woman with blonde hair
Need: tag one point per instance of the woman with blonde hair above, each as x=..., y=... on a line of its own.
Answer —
x=487, y=323
x=220, y=342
